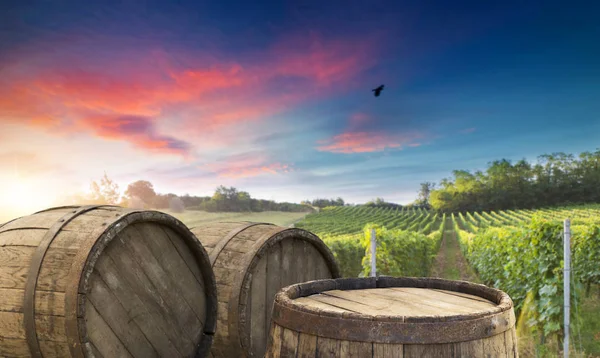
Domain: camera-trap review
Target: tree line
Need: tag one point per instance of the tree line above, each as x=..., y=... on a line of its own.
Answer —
x=321, y=203
x=555, y=179
x=141, y=194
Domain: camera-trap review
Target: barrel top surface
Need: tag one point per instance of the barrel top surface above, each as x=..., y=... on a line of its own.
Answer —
x=403, y=310
x=401, y=301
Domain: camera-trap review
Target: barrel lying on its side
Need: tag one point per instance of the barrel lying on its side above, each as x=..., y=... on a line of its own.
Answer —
x=104, y=281
x=252, y=262
x=392, y=317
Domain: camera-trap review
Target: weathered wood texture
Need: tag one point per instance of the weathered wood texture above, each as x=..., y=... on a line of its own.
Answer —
x=392, y=317
x=252, y=262
x=104, y=281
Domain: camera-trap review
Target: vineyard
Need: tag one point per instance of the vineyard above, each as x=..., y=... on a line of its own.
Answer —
x=517, y=251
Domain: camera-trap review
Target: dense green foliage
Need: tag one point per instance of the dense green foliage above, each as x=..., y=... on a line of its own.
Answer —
x=527, y=258
x=556, y=179
x=407, y=239
x=400, y=252
x=321, y=203
x=517, y=251
x=380, y=203
x=333, y=221
x=348, y=252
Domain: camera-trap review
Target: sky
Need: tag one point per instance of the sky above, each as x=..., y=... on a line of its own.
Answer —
x=274, y=97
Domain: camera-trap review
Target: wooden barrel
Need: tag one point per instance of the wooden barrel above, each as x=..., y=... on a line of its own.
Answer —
x=252, y=262
x=103, y=281
x=392, y=317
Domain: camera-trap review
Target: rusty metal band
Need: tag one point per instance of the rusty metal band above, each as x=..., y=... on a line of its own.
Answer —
x=223, y=242
x=395, y=332
x=32, y=277
x=236, y=301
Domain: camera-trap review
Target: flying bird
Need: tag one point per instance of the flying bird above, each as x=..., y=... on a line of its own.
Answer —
x=378, y=90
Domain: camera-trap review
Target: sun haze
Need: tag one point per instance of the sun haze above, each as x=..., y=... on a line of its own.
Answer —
x=276, y=98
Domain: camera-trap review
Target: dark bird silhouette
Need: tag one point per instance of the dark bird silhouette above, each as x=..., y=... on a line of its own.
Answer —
x=378, y=90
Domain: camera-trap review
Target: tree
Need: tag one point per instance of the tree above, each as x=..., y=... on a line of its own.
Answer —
x=424, y=193
x=104, y=191
x=141, y=189
x=381, y=203
x=321, y=203
x=556, y=179
x=226, y=198
x=244, y=201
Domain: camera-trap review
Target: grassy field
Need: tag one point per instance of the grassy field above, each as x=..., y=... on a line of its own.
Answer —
x=193, y=218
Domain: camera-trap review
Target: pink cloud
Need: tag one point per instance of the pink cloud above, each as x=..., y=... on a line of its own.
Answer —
x=252, y=171
x=468, y=130
x=203, y=94
x=138, y=130
x=247, y=165
x=361, y=142
x=359, y=139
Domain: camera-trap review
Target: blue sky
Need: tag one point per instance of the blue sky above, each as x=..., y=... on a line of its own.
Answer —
x=275, y=97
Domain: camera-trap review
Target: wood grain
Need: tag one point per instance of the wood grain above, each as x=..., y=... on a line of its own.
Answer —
x=269, y=257
x=146, y=294
x=376, y=322
x=159, y=329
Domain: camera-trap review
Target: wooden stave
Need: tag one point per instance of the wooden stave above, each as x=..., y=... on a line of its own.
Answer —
x=75, y=327
x=279, y=236
x=241, y=284
x=286, y=343
x=34, y=271
x=392, y=329
x=102, y=241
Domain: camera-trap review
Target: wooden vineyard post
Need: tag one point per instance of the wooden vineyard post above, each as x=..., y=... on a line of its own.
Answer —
x=373, y=253
x=567, y=284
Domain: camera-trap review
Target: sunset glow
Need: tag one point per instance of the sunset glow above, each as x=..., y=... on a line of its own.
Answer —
x=277, y=99
x=22, y=196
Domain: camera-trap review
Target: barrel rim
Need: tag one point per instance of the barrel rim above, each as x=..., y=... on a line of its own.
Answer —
x=245, y=225
x=34, y=271
x=237, y=319
x=91, y=250
x=393, y=329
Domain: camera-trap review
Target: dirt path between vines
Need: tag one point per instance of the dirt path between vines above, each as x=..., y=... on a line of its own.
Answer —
x=450, y=262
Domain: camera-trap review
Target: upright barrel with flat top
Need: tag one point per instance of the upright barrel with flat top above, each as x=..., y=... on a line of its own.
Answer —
x=252, y=262
x=104, y=281
x=392, y=317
